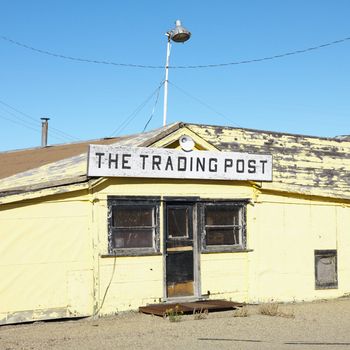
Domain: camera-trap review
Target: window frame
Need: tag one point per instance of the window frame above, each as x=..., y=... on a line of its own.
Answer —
x=323, y=254
x=242, y=205
x=189, y=220
x=153, y=202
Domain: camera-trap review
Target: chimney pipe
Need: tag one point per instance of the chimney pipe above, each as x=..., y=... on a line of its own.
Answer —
x=44, y=131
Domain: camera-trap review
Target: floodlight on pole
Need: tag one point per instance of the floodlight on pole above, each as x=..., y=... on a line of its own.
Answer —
x=179, y=35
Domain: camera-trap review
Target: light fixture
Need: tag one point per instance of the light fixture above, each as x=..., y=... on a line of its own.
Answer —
x=179, y=35
x=186, y=143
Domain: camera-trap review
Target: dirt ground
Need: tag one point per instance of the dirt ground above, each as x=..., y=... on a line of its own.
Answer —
x=317, y=325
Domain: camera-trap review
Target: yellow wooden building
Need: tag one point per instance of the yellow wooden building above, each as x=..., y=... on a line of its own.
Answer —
x=77, y=245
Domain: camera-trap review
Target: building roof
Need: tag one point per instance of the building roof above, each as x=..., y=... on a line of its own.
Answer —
x=57, y=165
x=21, y=160
x=18, y=161
x=301, y=164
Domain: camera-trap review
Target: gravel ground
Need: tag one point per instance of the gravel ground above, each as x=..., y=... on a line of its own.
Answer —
x=317, y=325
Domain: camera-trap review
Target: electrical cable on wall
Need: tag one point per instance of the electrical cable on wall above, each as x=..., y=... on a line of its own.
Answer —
x=216, y=65
x=107, y=288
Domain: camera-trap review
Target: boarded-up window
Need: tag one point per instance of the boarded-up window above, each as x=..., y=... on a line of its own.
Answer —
x=326, y=269
x=223, y=226
x=133, y=226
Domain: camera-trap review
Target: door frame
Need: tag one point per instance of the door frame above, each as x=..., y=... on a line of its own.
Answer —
x=196, y=245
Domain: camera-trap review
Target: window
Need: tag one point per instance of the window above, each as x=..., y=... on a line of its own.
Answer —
x=179, y=218
x=223, y=226
x=326, y=269
x=133, y=226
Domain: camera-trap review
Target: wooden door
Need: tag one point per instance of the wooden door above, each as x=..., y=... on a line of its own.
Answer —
x=179, y=247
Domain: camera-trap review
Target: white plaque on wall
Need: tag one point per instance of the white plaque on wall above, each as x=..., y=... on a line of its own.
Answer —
x=109, y=161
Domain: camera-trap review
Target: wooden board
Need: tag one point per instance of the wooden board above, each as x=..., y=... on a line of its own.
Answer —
x=190, y=307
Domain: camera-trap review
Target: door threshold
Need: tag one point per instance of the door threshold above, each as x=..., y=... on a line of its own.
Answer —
x=183, y=299
x=188, y=307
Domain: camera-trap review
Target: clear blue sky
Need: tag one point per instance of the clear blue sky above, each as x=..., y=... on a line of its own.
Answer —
x=305, y=94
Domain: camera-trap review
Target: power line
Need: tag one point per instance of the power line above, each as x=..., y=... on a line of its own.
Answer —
x=131, y=65
x=132, y=116
x=54, y=130
x=35, y=125
x=59, y=134
x=26, y=124
x=21, y=124
x=267, y=58
x=72, y=58
x=153, y=109
x=203, y=103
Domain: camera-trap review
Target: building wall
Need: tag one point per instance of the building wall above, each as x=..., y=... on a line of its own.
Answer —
x=285, y=233
x=225, y=275
x=282, y=233
x=46, y=259
x=134, y=281
x=54, y=263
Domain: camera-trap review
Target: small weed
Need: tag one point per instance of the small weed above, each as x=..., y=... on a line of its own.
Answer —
x=273, y=309
x=200, y=314
x=174, y=314
x=241, y=312
x=269, y=309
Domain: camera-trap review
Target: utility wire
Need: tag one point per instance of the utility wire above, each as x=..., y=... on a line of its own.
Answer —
x=79, y=59
x=60, y=134
x=87, y=60
x=38, y=122
x=204, y=104
x=16, y=122
x=27, y=124
x=267, y=58
x=154, y=108
x=132, y=116
x=20, y=119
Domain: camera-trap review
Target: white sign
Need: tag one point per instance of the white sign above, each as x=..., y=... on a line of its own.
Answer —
x=169, y=163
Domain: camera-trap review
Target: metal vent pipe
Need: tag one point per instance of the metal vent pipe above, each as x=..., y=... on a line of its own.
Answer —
x=44, y=131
